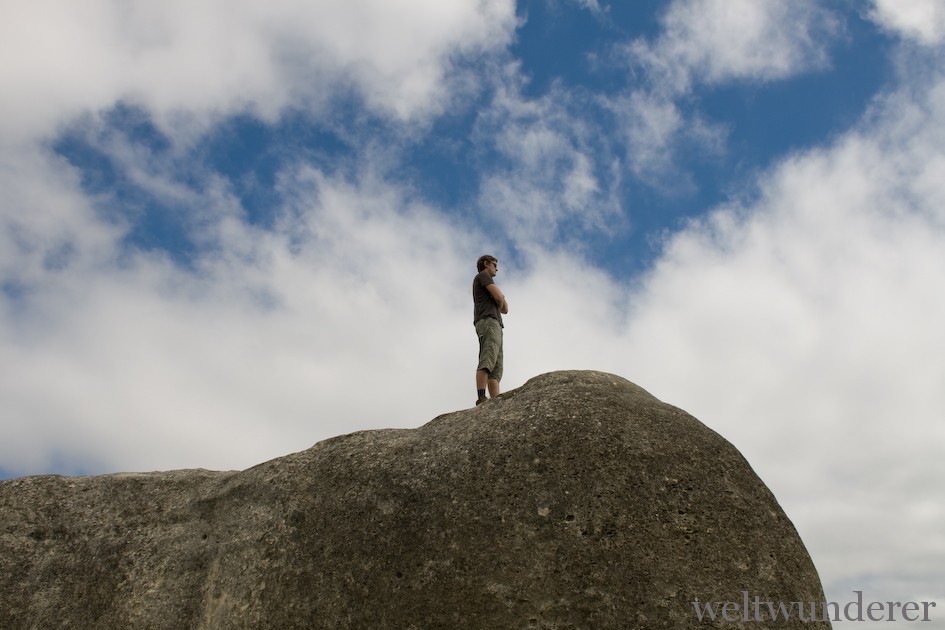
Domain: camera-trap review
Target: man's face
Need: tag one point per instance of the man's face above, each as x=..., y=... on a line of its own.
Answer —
x=492, y=268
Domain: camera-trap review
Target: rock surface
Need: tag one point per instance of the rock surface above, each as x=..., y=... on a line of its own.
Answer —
x=575, y=501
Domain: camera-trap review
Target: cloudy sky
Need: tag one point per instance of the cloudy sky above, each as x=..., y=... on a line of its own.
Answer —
x=231, y=229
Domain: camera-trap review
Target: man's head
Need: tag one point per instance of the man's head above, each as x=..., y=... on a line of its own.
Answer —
x=489, y=263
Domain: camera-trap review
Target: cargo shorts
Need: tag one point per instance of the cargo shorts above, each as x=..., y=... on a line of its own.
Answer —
x=490, y=346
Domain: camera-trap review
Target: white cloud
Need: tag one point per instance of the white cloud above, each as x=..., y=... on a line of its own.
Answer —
x=268, y=328
x=921, y=20
x=715, y=41
x=45, y=225
x=591, y=5
x=187, y=61
x=140, y=352
x=276, y=340
x=651, y=125
x=712, y=42
x=555, y=180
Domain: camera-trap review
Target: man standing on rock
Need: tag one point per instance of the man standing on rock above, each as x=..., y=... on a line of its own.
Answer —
x=488, y=307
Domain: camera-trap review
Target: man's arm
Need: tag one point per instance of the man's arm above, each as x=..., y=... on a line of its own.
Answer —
x=499, y=298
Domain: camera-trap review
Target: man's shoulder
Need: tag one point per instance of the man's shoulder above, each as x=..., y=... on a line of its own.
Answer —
x=483, y=278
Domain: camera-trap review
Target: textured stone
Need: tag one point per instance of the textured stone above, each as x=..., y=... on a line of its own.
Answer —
x=575, y=501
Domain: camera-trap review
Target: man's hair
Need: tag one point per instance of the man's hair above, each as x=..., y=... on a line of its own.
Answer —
x=481, y=263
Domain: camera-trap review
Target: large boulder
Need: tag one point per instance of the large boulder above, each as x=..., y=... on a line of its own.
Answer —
x=576, y=501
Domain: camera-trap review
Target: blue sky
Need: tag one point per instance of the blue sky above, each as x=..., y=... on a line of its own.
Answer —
x=229, y=231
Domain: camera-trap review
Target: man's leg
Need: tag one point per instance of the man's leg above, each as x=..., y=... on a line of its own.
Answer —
x=481, y=378
x=498, y=369
x=489, y=370
x=493, y=387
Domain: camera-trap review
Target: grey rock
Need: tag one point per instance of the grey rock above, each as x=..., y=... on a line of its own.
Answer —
x=576, y=501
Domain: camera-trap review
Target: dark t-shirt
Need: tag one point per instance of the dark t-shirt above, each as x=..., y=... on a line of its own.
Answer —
x=483, y=304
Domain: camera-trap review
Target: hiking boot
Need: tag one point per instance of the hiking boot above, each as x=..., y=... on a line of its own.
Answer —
x=481, y=400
